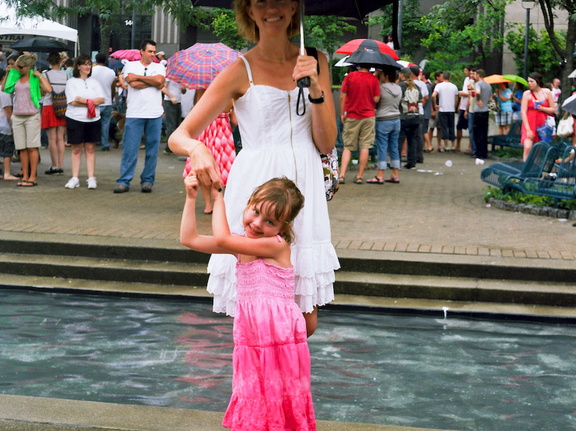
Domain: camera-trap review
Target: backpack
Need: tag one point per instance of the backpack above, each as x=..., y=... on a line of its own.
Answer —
x=59, y=102
x=409, y=101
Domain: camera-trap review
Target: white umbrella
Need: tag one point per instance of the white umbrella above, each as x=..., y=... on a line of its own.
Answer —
x=573, y=74
x=343, y=62
x=569, y=105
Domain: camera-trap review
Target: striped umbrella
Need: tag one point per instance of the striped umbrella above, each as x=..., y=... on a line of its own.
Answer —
x=197, y=66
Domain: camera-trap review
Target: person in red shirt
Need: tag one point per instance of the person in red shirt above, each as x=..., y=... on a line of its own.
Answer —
x=358, y=98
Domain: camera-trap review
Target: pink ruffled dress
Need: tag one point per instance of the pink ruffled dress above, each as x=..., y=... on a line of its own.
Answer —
x=271, y=360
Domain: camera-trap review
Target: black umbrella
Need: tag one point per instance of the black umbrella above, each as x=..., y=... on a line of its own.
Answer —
x=368, y=53
x=39, y=44
x=347, y=8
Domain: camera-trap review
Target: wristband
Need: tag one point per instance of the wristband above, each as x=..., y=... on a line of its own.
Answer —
x=316, y=101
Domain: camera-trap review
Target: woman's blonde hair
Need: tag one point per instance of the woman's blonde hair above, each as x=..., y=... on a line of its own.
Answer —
x=248, y=29
x=28, y=60
x=285, y=202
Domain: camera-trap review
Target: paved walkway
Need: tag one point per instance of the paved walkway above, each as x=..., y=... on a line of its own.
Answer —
x=436, y=209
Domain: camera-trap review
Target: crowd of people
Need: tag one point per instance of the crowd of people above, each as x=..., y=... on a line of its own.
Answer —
x=402, y=118
x=273, y=263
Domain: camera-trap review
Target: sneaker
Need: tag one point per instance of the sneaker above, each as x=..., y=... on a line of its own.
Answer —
x=92, y=183
x=72, y=183
x=121, y=189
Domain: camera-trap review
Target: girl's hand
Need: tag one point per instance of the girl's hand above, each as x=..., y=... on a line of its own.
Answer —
x=529, y=134
x=191, y=185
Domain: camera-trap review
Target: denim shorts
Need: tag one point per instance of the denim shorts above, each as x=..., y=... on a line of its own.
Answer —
x=7, y=148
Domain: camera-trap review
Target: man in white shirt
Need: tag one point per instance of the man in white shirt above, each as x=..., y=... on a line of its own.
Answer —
x=143, y=79
x=107, y=80
x=447, y=101
x=462, y=123
x=172, y=108
x=425, y=95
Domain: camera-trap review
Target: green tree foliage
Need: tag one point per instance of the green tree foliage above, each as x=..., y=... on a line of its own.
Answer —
x=540, y=57
x=461, y=31
x=564, y=50
x=412, y=29
x=325, y=33
x=225, y=27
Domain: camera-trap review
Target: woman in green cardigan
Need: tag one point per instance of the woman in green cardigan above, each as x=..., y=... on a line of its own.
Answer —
x=27, y=85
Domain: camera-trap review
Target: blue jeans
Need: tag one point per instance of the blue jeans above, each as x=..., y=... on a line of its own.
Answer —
x=387, y=132
x=133, y=130
x=471, y=131
x=105, y=117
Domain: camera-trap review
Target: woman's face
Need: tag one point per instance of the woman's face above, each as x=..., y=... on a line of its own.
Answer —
x=20, y=67
x=532, y=84
x=272, y=14
x=85, y=68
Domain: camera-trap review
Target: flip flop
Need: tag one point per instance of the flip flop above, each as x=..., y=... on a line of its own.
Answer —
x=392, y=180
x=376, y=180
x=27, y=184
x=358, y=180
x=342, y=180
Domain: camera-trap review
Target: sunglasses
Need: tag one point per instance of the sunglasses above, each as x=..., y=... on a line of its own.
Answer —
x=145, y=70
x=20, y=67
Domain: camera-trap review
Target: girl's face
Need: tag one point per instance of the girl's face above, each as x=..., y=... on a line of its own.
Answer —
x=272, y=14
x=532, y=84
x=258, y=223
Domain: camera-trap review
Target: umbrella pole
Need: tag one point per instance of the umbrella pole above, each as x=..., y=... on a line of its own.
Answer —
x=302, y=82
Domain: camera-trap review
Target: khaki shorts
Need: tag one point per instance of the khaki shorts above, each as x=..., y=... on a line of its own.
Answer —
x=359, y=134
x=26, y=131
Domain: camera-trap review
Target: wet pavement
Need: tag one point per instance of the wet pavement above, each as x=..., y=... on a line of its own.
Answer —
x=437, y=208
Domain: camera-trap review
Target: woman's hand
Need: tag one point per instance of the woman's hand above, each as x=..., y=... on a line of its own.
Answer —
x=307, y=66
x=205, y=167
x=529, y=134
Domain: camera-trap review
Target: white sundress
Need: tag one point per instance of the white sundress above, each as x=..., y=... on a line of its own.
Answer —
x=278, y=143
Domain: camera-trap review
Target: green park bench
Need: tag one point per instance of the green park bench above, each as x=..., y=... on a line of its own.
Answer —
x=511, y=139
x=560, y=183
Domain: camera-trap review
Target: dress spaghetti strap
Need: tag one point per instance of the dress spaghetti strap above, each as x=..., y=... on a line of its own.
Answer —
x=248, y=70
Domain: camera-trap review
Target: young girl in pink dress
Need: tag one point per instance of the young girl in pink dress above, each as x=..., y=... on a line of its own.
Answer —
x=271, y=360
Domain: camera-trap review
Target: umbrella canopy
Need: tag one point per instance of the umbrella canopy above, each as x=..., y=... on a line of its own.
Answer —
x=368, y=53
x=343, y=62
x=115, y=64
x=573, y=74
x=39, y=44
x=347, y=8
x=130, y=55
x=516, y=78
x=352, y=45
x=197, y=66
x=569, y=105
x=405, y=63
x=495, y=79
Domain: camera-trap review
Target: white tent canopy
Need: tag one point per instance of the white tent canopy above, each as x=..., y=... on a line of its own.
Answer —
x=34, y=26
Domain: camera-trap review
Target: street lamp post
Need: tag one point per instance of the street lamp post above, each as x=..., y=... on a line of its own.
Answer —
x=527, y=5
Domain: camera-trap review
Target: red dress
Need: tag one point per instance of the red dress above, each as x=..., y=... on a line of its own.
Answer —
x=535, y=119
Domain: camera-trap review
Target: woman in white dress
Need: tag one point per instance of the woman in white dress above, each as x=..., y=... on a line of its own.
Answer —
x=275, y=142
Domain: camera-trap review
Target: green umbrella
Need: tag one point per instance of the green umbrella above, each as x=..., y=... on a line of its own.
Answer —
x=516, y=78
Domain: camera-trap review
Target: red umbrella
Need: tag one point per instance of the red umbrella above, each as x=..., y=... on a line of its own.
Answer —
x=197, y=66
x=352, y=45
x=130, y=55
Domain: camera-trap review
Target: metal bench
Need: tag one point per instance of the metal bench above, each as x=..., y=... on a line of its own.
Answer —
x=511, y=175
x=561, y=182
x=511, y=139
